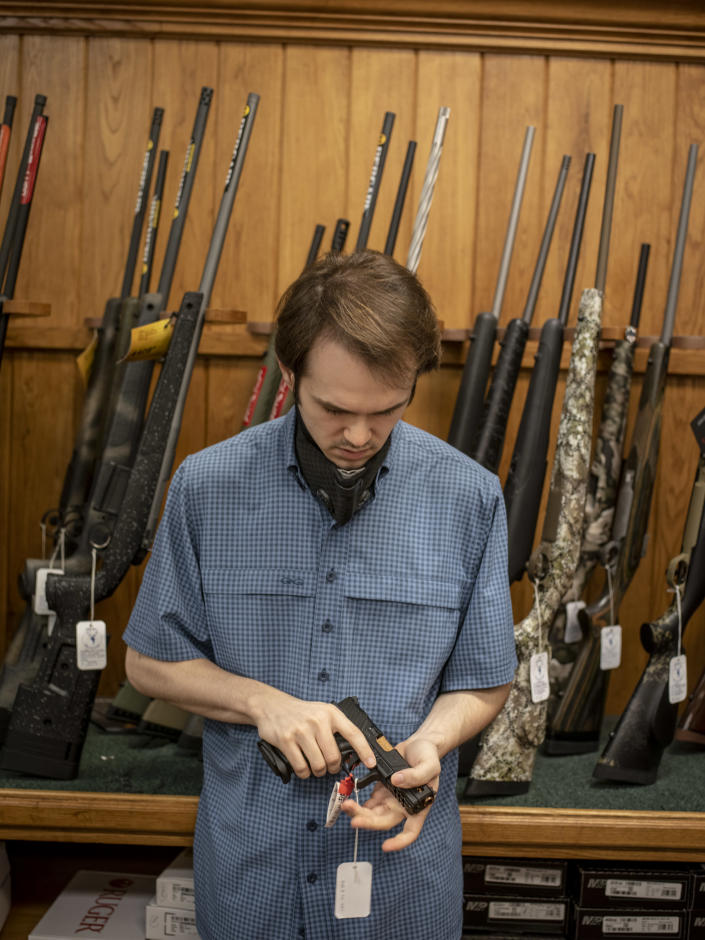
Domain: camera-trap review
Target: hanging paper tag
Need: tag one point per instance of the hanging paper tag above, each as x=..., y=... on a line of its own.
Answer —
x=353, y=889
x=40, y=584
x=572, y=632
x=341, y=791
x=538, y=676
x=610, y=647
x=677, y=679
x=91, y=644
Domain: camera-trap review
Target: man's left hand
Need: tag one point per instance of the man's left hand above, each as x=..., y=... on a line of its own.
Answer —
x=383, y=811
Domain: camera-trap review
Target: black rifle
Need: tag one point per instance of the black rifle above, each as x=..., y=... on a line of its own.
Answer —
x=155, y=213
x=691, y=727
x=576, y=723
x=524, y=484
x=467, y=414
x=5, y=133
x=401, y=197
x=375, y=180
x=50, y=717
x=647, y=725
x=340, y=234
x=389, y=760
x=489, y=444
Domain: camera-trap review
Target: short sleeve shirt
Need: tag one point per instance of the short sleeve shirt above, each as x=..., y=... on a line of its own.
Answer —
x=408, y=600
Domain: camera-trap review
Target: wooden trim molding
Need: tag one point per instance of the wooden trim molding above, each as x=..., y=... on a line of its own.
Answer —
x=641, y=29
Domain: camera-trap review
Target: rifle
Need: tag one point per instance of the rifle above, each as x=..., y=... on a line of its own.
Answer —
x=467, y=414
x=50, y=717
x=418, y=231
x=602, y=490
x=646, y=727
x=577, y=720
x=691, y=727
x=400, y=198
x=150, y=240
x=524, y=484
x=490, y=441
x=340, y=234
x=375, y=180
x=21, y=219
x=5, y=132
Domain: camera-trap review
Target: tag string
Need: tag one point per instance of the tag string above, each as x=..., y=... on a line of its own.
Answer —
x=94, y=554
x=608, y=569
x=357, y=831
x=58, y=548
x=680, y=615
x=537, y=601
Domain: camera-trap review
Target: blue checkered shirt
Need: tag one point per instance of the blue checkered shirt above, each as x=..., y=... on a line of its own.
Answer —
x=408, y=600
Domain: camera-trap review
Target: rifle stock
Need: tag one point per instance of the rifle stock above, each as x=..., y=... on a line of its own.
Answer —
x=691, y=727
x=647, y=725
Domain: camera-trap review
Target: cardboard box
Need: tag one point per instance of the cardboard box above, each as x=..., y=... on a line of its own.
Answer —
x=525, y=915
x=98, y=903
x=596, y=924
x=161, y=923
x=632, y=885
x=526, y=877
x=175, y=884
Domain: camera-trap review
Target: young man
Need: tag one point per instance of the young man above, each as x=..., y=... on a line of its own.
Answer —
x=336, y=551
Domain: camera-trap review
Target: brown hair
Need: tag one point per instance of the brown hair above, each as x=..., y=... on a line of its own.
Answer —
x=367, y=302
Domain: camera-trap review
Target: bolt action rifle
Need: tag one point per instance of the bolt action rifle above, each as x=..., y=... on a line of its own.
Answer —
x=524, y=483
x=576, y=723
x=467, y=415
x=647, y=725
x=50, y=716
x=487, y=449
x=601, y=494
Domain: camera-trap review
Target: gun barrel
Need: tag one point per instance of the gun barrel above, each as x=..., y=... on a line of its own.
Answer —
x=679, y=250
x=429, y=183
x=315, y=246
x=400, y=199
x=153, y=223
x=576, y=240
x=608, y=205
x=640, y=284
x=375, y=180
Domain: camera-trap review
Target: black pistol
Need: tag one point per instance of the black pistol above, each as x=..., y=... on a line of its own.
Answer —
x=389, y=760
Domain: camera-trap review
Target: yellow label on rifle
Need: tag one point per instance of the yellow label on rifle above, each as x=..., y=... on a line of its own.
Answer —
x=150, y=341
x=84, y=360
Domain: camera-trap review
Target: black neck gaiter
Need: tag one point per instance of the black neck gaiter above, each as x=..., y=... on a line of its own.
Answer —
x=342, y=492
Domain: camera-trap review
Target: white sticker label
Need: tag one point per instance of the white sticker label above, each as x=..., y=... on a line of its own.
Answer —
x=526, y=910
x=572, y=632
x=91, y=644
x=353, y=889
x=516, y=875
x=538, y=676
x=40, y=585
x=677, y=679
x=664, y=890
x=631, y=924
x=610, y=647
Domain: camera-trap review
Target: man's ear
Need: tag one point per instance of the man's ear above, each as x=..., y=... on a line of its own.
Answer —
x=287, y=374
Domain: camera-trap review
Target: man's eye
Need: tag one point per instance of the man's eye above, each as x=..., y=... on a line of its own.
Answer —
x=333, y=411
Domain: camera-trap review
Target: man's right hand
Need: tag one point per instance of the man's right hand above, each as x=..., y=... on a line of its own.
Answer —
x=305, y=732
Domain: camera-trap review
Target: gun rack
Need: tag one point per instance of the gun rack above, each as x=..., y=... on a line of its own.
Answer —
x=25, y=308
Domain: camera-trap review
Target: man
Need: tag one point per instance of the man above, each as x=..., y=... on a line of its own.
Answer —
x=336, y=551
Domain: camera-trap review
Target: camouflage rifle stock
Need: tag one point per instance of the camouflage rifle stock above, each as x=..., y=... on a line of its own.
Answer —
x=576, y=723
x=524, y=483
x=646, y=727
x=602, y=489
x=487, y=449
x=467, y=414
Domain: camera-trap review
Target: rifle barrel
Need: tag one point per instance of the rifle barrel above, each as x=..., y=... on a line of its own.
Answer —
x=681, y=235
x=375, y=180
x=608, y=205
x=150, y=239
x=639, y=285
x=577, y=238
x=5, y=132
x=513, y=222
x=340, y=234
x=318, y=234
x=401, y=197
x=434, y=158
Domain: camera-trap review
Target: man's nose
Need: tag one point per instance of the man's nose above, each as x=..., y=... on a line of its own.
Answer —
x=358, y=432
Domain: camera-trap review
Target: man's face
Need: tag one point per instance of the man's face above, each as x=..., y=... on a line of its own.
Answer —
x=348, y=410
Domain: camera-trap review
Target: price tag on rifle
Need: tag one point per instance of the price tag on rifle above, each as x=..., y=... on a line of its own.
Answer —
x=572, y=632
x=538, y=677
x=91, y=644
x=40, y=585
x=677, y=679
x=610, y=647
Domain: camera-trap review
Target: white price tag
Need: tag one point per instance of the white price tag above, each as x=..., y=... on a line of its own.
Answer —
x=572, y=632
x=538, y=676
x=677, y=679
x=610, y=647
x=91, y=644
x=40, y=585
x=353, y=889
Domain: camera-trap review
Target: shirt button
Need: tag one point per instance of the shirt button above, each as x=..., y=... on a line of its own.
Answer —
x=327, y=626
x=312, y=878
x=323, y=676
x=331, y=575
x=312, y=825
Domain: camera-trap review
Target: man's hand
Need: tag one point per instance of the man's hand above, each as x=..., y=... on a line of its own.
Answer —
x=304, y=732
x=383, y=811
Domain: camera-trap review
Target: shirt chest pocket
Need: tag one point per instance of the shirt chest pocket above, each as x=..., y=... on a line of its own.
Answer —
x=405, y=623
x=257, y=619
